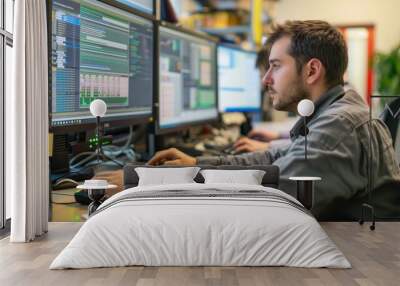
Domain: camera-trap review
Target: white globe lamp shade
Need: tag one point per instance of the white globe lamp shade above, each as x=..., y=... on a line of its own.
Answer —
x=305, y=107
x=98, y=108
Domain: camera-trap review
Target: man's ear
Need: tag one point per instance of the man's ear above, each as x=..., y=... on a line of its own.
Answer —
x=314, y=71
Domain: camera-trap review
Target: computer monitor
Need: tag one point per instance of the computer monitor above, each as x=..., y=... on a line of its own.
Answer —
x=239, y=83
x=99, y=51
x=145, y=6
x=187, y=92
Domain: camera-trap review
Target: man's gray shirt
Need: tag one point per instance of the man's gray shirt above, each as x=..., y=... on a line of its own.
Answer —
x=337, y=151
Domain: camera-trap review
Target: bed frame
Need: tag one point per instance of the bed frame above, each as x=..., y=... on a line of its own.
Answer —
x=270, y=179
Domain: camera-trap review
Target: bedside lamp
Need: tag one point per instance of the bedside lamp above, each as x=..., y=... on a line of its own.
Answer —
x=305, y=108
x=98, y=108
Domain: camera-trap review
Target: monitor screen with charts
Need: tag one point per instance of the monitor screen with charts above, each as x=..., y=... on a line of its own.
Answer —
x=239, y=83
x=99, y=52
x=187, y=74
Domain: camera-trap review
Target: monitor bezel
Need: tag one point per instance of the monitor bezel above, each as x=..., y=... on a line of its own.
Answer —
x=128, y=8
x=244, y=110
x=156, y=111
x=125, y=120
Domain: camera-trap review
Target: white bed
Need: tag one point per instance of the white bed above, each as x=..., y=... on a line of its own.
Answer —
x=246, y=225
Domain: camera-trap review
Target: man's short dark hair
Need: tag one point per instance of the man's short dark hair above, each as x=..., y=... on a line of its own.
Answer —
x=315, y=39
x=262, y=59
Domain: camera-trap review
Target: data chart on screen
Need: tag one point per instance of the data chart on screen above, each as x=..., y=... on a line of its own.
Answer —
x=99, y=52
x=187, y=73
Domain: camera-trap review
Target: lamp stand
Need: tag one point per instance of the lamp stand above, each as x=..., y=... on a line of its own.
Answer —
x=99, y=150
x=305, y=137
x=96, y=195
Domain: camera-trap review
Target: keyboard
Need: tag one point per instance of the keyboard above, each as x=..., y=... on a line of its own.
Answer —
x=191, y=151
x=227, y=149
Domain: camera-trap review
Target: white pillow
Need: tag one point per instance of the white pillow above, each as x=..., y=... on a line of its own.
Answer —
x=164, y=176
x=249, y=177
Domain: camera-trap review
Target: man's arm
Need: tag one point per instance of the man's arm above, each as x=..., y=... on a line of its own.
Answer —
x=254, y=158
x=173, y=156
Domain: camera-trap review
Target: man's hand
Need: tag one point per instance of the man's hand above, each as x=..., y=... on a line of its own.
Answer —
x=172, y=156
x=113, y=178
x=263, y=135
x=245, y=144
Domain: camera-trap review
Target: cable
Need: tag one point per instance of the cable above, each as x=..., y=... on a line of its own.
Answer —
x=125, y=149
x=110, y=151
x=56, y=194
x=88, y=153
x=84, y=161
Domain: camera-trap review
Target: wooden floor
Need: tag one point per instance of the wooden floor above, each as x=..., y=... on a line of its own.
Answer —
x=374, y=255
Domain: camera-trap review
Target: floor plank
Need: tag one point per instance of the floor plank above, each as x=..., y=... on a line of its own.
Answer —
x=375, y=257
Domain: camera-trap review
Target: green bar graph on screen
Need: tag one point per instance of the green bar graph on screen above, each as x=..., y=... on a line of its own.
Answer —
x=104, y=57
x=205, y=98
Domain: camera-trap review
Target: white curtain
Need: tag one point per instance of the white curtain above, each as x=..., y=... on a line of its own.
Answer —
x=27, y=169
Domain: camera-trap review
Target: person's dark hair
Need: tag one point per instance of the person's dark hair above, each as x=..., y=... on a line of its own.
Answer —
x=262, y=59
x=315, y=39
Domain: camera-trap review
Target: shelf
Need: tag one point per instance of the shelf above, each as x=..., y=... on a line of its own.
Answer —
x=385, y=96
x=236, y=11
x=228, y=30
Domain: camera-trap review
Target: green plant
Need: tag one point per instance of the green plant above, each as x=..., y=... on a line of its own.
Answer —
x=387, y=67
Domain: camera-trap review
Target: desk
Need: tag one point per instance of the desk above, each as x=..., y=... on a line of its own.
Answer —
x=65, y=209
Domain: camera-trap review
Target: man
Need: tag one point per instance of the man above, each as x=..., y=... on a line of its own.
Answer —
x=307, y=61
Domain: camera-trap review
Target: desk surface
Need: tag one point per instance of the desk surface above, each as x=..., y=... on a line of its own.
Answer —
x=374, y=255
x=65, y=209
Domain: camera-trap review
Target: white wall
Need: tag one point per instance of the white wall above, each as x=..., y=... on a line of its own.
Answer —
x=384, y=14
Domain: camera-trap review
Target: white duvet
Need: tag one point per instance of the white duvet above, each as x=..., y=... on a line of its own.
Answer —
x=190, y=231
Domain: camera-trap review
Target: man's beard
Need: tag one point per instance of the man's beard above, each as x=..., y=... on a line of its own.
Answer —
x=292, y=96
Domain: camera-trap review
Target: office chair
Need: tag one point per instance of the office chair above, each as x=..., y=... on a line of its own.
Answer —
x=391, y=117
x=388, y=192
